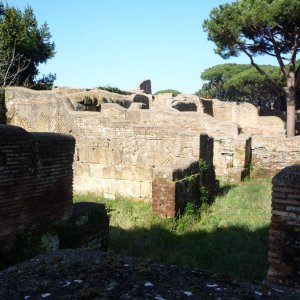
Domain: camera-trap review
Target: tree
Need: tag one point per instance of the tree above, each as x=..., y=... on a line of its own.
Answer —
x=217, y=76
x=20, y=34
x=261, y=27
x=241, y=82
x=11, y=66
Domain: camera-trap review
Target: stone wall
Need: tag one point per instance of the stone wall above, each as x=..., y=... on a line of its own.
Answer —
x=270, y=154
x=246, y=115
x=284, y=234
x=35, y=178
x=118, y=149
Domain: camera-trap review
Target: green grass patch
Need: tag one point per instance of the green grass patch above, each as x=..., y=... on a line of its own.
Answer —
x=229, y=237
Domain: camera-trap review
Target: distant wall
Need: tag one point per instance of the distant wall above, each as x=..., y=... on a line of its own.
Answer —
x=244, y=114
x=272, y=154
x=35, y=178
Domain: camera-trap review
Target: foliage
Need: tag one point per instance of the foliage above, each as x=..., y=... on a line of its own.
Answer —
x=45, y=83
x=218, y=238
x=216, y=77
x=204, y=197
x=202, y=165
x=19, y=32
x=112, y=89
x=37, y=239
x=242, y=83
x=168, y=91
x=261, y=27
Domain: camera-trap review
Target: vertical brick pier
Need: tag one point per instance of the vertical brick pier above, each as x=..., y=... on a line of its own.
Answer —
x=284, y=234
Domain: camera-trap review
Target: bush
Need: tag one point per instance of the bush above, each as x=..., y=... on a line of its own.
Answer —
x=45, y=83
x=169, y=91
x=113, y=89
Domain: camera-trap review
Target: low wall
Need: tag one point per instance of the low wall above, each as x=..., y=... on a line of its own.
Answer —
x=35, y=178
x=244, y=114
x=272, y=154
x=284, y=235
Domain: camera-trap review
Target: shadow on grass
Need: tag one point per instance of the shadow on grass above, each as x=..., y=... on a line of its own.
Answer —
x=224, y=189
x=233, y=251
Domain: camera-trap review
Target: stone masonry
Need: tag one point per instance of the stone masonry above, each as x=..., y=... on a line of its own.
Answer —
x=246, y=115
x=284, y=234
x=145, y=86
x=121, y=147
x=35, y=179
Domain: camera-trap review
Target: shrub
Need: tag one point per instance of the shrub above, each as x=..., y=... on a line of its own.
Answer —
x=168, y=91
x=45, y=83
x=113, y=89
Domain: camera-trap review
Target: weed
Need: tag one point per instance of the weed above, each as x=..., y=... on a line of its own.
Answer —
x=190, y=178
x=204, y=197
x=251, y=166
x=112, y=89
x=202, y=165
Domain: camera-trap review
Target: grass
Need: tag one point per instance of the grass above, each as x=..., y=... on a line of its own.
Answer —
x=229, y=237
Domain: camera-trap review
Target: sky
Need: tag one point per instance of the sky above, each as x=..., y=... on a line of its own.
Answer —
x=122, y=42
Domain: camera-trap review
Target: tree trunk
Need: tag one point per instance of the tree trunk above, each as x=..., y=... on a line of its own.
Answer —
x=290, y=93
x=290, y=119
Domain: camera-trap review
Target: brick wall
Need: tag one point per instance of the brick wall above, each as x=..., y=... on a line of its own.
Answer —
x=35, y=178
x=284, y=234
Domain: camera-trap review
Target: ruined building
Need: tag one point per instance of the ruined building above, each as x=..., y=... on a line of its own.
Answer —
x=146, y=147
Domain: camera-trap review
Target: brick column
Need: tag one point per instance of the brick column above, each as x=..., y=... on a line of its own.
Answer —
x=163, y=197
x=284, y=234
x=175, y=185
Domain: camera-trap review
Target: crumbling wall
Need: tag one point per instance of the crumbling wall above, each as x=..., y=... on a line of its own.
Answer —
x=246, y=115
x=118, y=149
x=35, y=178
x=179, y=181
x=181, y=102
x=270, y=154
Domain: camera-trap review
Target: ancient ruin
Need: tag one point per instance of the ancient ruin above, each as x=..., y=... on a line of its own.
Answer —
x=36, y=196
x=125, y=142
x=166, y=148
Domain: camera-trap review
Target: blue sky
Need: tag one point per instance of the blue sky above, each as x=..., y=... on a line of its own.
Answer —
x=120, y=43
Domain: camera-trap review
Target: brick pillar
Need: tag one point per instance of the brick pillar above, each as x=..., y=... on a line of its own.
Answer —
x=163, y=197
x=284, y=234
x=175, y=185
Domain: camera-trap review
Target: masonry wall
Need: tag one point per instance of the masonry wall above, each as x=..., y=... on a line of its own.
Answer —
x=284, y=235
x=35, y=178
x=118, y=149
x=246, y=115
x=175, y=186
x=270, y=154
